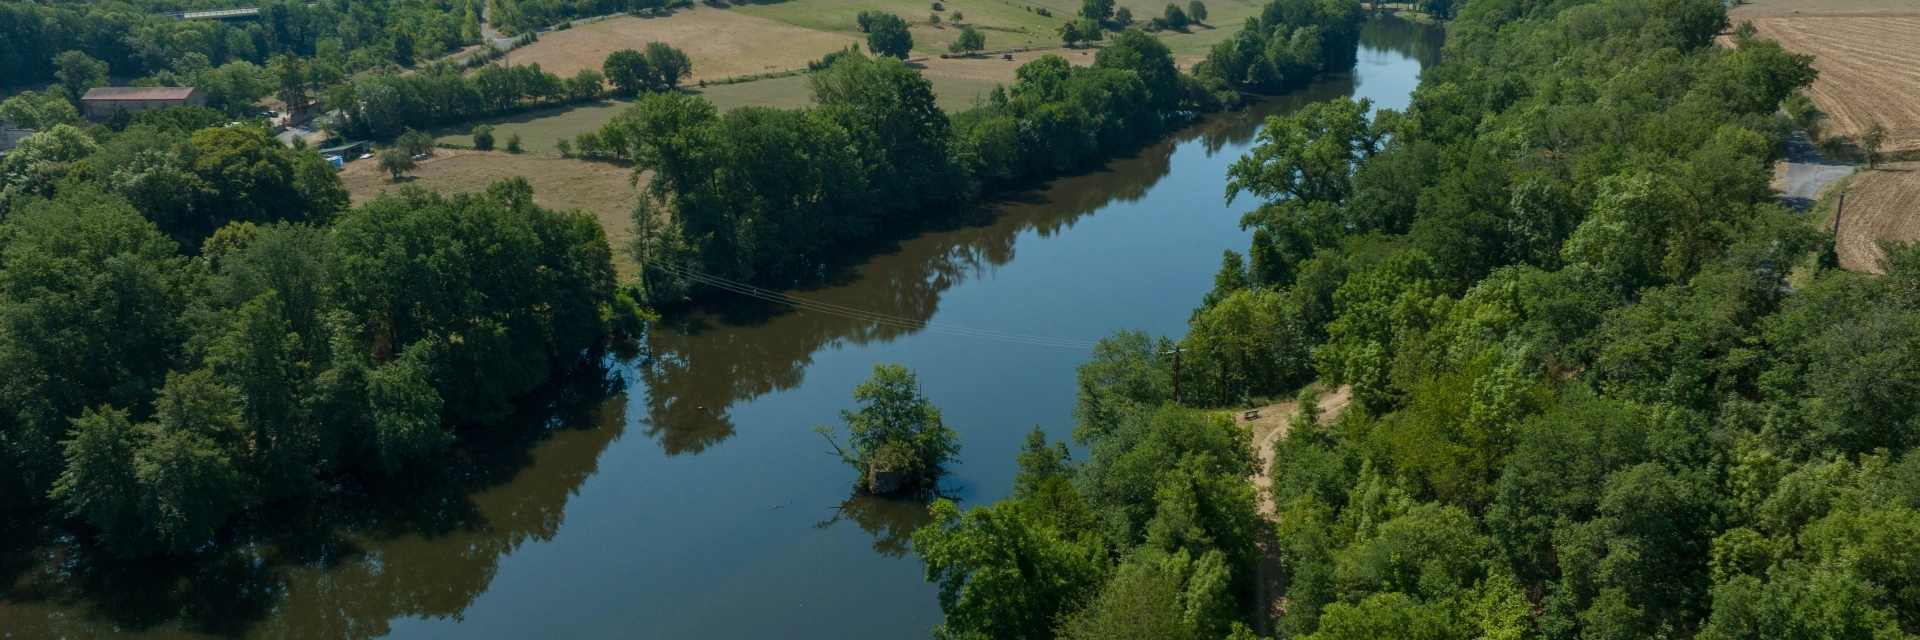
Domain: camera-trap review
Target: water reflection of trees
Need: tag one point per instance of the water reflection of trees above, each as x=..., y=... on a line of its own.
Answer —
x=891, y=521
x=729, y=349
x=340, y=565
x=1410, y=39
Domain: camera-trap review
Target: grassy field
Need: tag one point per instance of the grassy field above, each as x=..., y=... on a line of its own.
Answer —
x=1869, y=70
x=1883, y=204
x=558, y=183
x=538, y=129
x=955, y=83
x=960, y=78
x=1008, y=23
x=721, y=43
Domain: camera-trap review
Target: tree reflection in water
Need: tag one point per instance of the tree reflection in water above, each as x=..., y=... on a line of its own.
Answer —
x=725, y=349
x=341, y=564
x=370, y=550
x=890, y=520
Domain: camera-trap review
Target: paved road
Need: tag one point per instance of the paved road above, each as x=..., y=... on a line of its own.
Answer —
x=1807, y=172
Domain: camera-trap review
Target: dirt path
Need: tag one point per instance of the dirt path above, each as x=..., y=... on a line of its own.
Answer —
x=1271, y=423
x=1268, y=425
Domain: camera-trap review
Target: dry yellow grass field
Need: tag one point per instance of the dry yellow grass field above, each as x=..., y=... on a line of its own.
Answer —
x=993, y=69
x=720, y=42
x=1772, y=7
x=558, y=183
x=1869, y=69
x=1883, y=204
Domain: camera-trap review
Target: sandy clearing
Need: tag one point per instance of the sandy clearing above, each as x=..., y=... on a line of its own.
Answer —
x=721, y=43
x=1883, y=204
x=1269, y=576
x=558, y=183
x=1869, y=69
x=1272, y=424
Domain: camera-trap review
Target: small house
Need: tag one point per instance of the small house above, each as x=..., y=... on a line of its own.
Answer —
x=100, y=103
x=348, y=152
x=11, y=135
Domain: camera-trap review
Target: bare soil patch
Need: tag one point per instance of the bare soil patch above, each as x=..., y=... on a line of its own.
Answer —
x=1271, y=423
x=1883, y=204
x=558, y=183
x=1268, y=425
x=721, y=43
x=1869, y=67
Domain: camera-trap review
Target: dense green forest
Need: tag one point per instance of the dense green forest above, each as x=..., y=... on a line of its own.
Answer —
x=194, y=323
x=1602, y=385
x=764, y=195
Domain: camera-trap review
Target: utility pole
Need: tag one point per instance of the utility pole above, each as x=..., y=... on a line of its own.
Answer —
x=1176, y=371
x=1838, y=209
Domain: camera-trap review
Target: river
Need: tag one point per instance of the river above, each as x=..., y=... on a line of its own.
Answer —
x=681, y=495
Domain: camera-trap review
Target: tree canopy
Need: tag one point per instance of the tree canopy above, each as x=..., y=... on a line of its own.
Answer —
x=193, y=323
x=1600, y=384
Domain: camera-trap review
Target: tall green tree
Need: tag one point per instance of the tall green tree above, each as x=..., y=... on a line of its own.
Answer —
x=887, y=36
x=969, y=41
x=79, y=72
x=667, y=65
x=628, y=71
x=94, y=297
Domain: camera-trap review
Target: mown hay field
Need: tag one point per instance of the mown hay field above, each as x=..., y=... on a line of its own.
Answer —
x=720, y=42
x=558, y=183
x=1882, y=204
x=540, y=130
x=1008, y=24
x=1869, y=70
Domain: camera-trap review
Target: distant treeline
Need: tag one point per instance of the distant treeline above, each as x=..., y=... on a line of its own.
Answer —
x=382, y=106
x=514, y=17
x=338, y=36
x=765, y=195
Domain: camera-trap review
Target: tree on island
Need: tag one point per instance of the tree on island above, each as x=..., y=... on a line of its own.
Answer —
x=896, y=440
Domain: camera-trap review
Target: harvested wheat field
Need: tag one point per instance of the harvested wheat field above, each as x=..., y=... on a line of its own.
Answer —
x=1883, y=204
x=1751, y=8
x=721, y=43
x=1869, y=69
x=558, y=183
